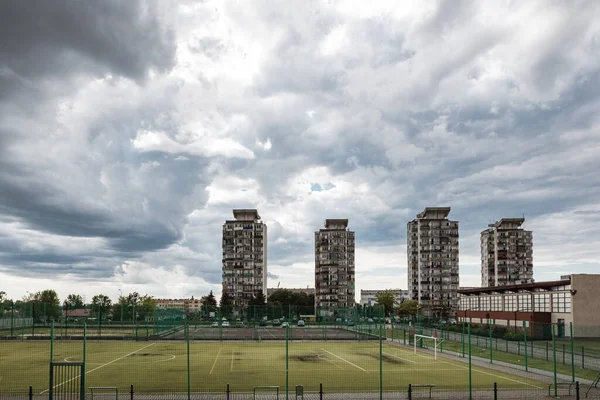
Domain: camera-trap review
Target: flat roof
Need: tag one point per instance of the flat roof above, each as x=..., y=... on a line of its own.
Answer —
x=437, y=210
x=334, y=221
x=245, y=211
x=512, y=288
x=503, y=221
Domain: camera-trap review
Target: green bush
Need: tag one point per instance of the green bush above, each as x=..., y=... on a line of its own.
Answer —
x=514, y=336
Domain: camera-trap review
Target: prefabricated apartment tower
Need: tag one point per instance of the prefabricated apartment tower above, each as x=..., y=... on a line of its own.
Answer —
x=506, y=254
x=433, y=262
x=334, y=266
x=244, y=257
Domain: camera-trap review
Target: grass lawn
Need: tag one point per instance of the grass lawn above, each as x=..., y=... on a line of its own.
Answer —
x=162, y=366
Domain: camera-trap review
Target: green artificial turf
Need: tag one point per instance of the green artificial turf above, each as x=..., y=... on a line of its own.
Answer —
x=154, y=367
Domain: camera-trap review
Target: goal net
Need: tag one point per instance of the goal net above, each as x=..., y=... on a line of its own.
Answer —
x=427, y=342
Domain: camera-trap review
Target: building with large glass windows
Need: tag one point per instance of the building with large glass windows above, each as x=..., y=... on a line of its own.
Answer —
x=537, y=306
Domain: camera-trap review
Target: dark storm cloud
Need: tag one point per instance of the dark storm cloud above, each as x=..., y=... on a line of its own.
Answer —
x=61, y=37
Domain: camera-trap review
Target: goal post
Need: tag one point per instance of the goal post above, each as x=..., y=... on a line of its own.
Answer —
x=104, y=392
x=436, y=342
x=263, y=392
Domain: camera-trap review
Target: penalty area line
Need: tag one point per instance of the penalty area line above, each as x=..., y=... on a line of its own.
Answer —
x=343, y=359
x=97, y=368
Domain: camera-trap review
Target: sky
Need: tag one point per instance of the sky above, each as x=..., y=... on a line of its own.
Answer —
x=130, y=130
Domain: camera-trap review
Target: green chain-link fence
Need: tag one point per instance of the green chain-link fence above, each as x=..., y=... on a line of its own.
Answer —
x=268, y=350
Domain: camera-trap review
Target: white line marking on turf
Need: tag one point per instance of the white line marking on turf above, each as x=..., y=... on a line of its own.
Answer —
x=497, y=376
x=231, y=367
x=362, y=369
x=322, y=357
x=405, y=359
x=102, y=366
x=215, y=363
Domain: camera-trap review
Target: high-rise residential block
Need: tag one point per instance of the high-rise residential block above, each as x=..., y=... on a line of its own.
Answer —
x=433, y=262
x=334, y=266
x=506, y=254
x=244, y=257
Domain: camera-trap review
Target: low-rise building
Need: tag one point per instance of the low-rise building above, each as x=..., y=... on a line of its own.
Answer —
x=367, y=297
x=188, y=305
x=536, y=306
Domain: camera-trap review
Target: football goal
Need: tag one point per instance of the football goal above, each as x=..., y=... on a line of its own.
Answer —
x=427, y=342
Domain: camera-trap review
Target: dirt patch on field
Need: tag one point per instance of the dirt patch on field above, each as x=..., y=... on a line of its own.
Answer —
x=306, y=357
x=385, y=357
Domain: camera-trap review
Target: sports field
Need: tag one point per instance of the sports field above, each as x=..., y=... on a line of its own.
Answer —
x=162, y=366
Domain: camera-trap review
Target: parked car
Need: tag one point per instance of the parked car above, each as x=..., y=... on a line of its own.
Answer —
x=276, y=322
x=215, y=324
x=285, y=324
x=300, y=322
x=226, y=324
x=262, y=323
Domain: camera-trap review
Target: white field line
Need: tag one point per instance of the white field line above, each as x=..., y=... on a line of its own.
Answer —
x=231, y=367
x=320, y=356
x=343, y=359
x=393, y=355
x=490, y=374
x=215, y=363
x=269, y=332
x=101, y=366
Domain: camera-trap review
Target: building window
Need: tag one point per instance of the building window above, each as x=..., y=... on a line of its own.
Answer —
x=524, y=302
x=510, y=303
x=496, y=303
x=541, y=302
x=561, y=302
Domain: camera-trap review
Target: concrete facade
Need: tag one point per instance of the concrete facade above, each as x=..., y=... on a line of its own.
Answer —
x=244, y=256
x=433, y=261
x=334, y=265
x=506, y=253
x=367, y=297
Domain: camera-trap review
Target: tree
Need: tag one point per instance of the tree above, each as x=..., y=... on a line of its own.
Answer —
x=225, y=303
x=409, y=308
x=209, y=304
x=43, y=304
x=259, y=299
x=209, y=300
x=2, y=296
x=147, y=305
x=73, y=301
x=387, y=299
x=100, y=305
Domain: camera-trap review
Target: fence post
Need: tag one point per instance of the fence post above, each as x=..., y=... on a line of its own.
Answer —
x=462, y=339
x=30, y=393
x=577, y=390
x=491, y=350
x=320, y=391
x=287, y=330
x=12, y=319
x=227, y=392
x=131, y=392
x=563, y=353
x=572, y=354
x=554, y=360
x=495, y=391
x=409, y=391
x=381, y=332
x=525, y=343
x=470, y=381
x=187, y=339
